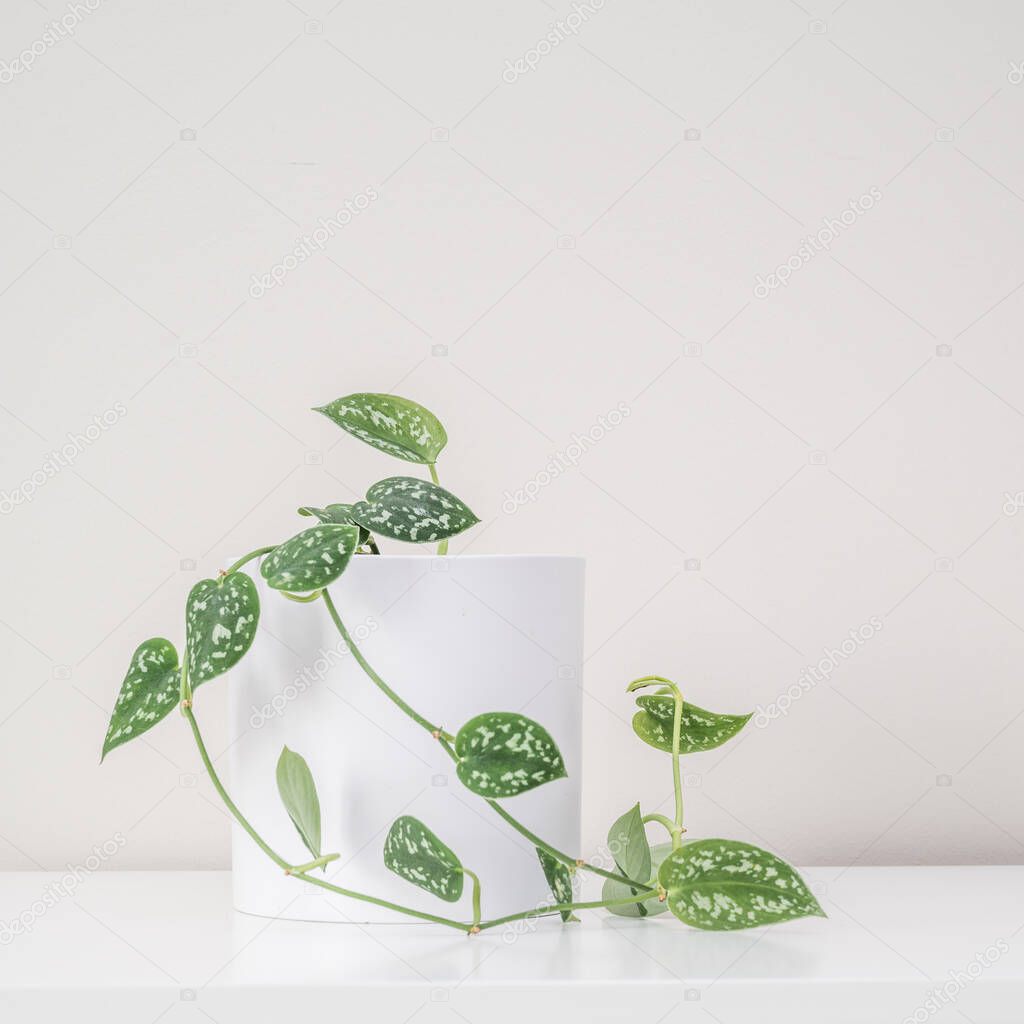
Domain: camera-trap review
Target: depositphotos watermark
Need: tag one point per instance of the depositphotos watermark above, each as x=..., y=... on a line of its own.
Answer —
x=73, y=877
x=312, y=243
x=309, y=675
x=560, y=31
x=55, y=32
x=948, y=993
x=820, y=241
x=567, y=458
x=831, y=658
x=60, y=459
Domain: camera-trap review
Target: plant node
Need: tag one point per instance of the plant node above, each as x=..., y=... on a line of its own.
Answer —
x=436, y=734
x=475, y=930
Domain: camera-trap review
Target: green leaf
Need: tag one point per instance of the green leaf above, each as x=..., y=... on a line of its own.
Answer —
x=700, y=729
x=627, y=840
x=412, y=851
x=722, y=885
x=650, y=907
x=502, y=754
x=311, y=559
x=298, y=794
x=394, y=425
x=418, y=511
x=221, y=617
x=149, y=691
x=559, y=881
x=335, y=514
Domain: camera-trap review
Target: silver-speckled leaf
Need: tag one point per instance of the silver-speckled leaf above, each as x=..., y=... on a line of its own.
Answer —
x=394, y=425
x=221, y=616
x=412, y=851
x=627, y=841
x=650, y=907
x=298, y=794
x=701, y=730
x=503, y=754
x=311, y=559
x=149, y=691
x=723, y=885
x=559, y=881
x=335, y=514
x=418, y=511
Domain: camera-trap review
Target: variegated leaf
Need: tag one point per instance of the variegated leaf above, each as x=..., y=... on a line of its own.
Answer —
x=149, y=691
x=405, y=508
x=722, y=885
x=221, y=617
x=559, y=881
x=394, y=425
x=650, y=907
x=311, y=559
x=412, y=851
x=700, y=729
x=627, y=841
x=298, y=794
x=503, y=754
x=335, y=514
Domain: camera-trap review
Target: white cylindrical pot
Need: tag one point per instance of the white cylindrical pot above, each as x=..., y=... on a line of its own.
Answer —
x=455, y=637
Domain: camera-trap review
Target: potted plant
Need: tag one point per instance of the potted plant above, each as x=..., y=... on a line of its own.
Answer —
x=497, y=754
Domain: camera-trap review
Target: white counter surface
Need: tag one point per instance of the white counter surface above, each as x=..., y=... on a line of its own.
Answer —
x=142, y=947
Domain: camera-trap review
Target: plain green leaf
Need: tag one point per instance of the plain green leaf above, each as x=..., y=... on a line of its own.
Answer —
x=149, y=691
x=409, y=509
x=627, y=840
x=700, y=729
x=221, y=617
x=394, y=425
x=650, y=907
x=335, y=514
x=559, y=881
x=298, y=794
x=722, y=885
x=503, y=754
x=311, y=559
x=412, y=851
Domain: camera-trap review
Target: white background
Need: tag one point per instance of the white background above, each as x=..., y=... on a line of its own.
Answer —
x=541, y=251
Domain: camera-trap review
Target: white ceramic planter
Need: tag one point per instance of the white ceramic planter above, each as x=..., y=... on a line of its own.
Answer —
x=455, y=637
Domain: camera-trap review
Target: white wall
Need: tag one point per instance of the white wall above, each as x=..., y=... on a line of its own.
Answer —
x=541, y=250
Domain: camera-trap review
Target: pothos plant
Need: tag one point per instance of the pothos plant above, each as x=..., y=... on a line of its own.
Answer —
x=715, y=884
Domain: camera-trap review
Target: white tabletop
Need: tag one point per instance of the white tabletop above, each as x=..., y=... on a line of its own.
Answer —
x=142, y=947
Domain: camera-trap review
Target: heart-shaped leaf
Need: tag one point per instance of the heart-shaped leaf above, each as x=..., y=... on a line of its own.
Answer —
x=700, y=729
x=627, y=841
x=394, y=425
x=559, y=881
x=298, y=794
x=412, y=851
x=650, y=907
x=722, y=885
x=503, y=754
x=311, y=559
x=405, y=508
x=149, y=691
x=335, y=514
x=220, y=624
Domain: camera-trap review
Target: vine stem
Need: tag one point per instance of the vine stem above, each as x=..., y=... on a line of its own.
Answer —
x=302, y=870
x=621, y=901
x=248, y=558
x=444, y=739
x=442, y=547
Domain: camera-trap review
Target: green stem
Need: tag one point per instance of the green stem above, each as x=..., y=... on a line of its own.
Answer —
x=301, y=871
x=314, y=864
x=442, y=547
x=677, y=782
x=661, y=820
x=366, y=667
x=302, y=598
x=620, y=901
x=476, y=895
x=445, y=740
x=248, y=558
